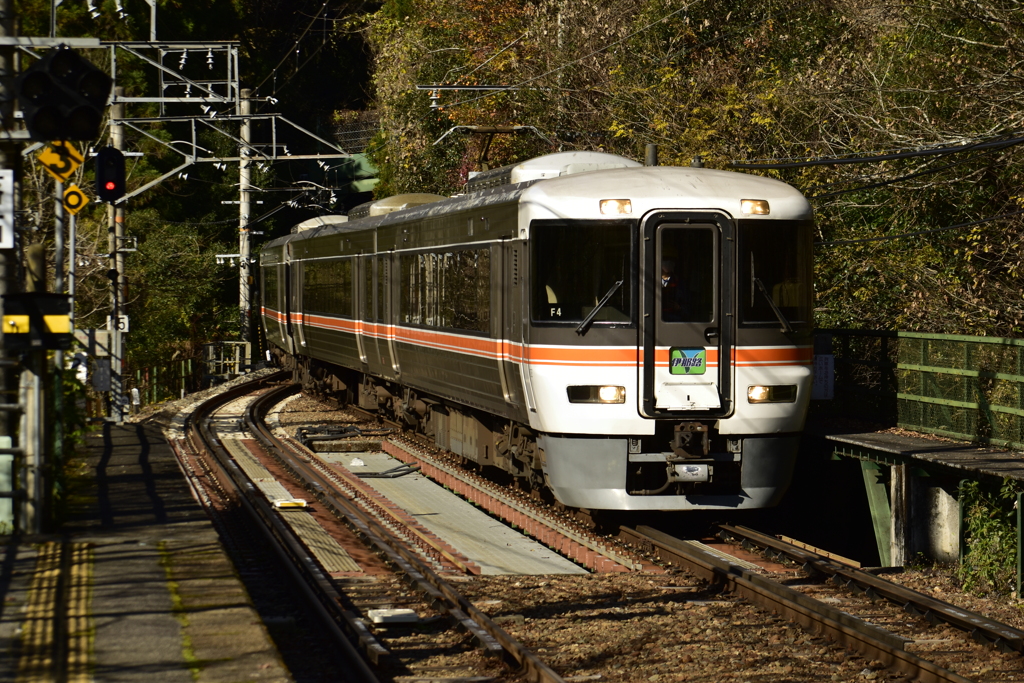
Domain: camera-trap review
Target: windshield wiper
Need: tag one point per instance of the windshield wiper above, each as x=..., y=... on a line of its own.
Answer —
x=786, y=326
x=585, y=325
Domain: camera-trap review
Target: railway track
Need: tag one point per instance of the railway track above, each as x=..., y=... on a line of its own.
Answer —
x=879, y=636
x=863, y=635
x=346, y=623
x=427, y=563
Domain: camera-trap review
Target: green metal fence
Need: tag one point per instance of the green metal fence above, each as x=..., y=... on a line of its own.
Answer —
x=962, y=387
x=968, y=388
x=146, y=386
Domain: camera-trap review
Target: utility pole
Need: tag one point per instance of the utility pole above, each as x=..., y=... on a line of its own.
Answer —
x=10, y=157
x=245, y=200
x=115, y=238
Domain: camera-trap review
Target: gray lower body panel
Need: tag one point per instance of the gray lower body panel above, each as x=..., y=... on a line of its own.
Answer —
x=590, y=472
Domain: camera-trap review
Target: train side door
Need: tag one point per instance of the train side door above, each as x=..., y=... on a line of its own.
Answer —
x=297, y=317
x=275, y=300
x=372, y=329
x=688, y=323
x=386, y=314
x=362, y=298
x=509, y=296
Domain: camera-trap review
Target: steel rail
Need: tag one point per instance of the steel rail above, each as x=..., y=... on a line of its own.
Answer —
x=293, y=556
x=869, y=640
x=982, y=629
x=460, y=608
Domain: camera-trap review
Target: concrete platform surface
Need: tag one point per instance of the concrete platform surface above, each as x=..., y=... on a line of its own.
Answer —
x=136, y=587
x=487, y=542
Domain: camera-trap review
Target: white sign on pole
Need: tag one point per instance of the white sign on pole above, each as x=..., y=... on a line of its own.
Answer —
x=7, y=208
x=119, y=323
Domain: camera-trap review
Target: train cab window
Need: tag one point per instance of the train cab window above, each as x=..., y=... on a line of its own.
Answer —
x=687, y=287
x=775, y=268
x=575, y=265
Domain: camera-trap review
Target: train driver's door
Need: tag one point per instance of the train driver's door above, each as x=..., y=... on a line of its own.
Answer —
x=688, y=322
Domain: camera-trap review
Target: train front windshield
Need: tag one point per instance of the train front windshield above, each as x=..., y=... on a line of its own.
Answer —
x=775, y=268
x=576, y=265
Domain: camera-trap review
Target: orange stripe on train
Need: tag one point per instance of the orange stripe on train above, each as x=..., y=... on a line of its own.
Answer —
x=569, y=356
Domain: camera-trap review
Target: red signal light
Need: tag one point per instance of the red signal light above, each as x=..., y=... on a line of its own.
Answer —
x=110, y=177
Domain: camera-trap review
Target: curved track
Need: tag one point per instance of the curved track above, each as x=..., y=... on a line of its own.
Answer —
x=265, y=522
x=490, y=636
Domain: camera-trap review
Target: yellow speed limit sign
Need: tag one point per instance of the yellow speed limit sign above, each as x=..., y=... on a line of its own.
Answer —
x=60, y=159
x=74, y=199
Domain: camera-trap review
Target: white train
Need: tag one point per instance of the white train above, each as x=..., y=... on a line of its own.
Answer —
x=621, y=336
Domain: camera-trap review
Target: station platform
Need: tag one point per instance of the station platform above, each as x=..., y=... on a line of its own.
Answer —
x=914, y=485
x=902, y=448
x=135, y=586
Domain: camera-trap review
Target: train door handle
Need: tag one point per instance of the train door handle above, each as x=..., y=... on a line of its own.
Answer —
x=710, y=332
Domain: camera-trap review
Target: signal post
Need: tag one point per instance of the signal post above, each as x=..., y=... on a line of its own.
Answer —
x=110, y=170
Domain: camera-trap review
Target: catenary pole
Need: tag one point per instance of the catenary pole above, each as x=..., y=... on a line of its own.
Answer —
x=245, y=200
x=115, y=239
x=11, y=470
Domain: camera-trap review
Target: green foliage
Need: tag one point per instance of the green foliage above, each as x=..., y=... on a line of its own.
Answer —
x=752, y=81
x=990, y=517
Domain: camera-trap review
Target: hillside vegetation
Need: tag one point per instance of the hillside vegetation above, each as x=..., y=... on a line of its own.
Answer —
x=910, y=114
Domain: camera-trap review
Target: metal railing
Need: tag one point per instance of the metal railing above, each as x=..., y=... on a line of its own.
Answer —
x=226, y=360
x=962, y=387
x=221, y=361
x=146, y=386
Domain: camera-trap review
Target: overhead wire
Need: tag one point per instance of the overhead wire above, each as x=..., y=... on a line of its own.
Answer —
x=838, y=161
x=921, y=232
x=288, y=54
x=898, y=179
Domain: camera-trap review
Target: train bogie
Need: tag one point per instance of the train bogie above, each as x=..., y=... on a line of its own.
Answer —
x=631, y=338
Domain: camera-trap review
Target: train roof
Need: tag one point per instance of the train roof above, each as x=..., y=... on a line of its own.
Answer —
x=567, y=183
x=664, y=187
x=546, y=167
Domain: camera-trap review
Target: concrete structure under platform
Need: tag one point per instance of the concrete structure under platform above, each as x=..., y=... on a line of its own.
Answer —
x=913, y=484
x=136, y=588
x=491, y=545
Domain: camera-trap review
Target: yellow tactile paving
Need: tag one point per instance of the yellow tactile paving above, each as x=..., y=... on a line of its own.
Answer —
x=36, y=663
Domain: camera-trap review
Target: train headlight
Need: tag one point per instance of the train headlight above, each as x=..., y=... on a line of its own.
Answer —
x=616, y=207
x=780, y=393
x=596, y=394
x=756, y=207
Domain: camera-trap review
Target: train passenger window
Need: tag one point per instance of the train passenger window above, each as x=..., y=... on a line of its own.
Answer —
x=775, y=263
x=450, y=289
x=270, y=287
x=382, y=276
x=327, y=287
x=574, y=264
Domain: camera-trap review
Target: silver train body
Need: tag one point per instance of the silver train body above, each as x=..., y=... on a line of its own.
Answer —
x=623, y=337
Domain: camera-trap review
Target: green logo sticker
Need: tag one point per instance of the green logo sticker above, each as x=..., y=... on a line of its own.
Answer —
x=687, y=361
